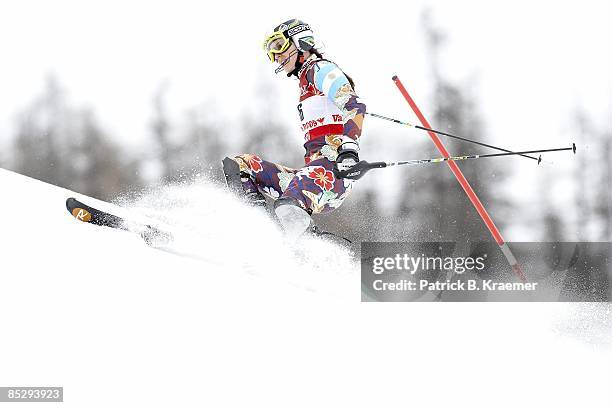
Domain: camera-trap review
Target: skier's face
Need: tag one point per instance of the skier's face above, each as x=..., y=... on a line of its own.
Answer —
x=290, y=55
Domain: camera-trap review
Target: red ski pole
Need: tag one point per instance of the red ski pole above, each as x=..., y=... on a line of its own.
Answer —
x=464, y=183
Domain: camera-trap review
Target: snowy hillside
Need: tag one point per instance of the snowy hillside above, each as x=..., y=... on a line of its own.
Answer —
x=241, y=319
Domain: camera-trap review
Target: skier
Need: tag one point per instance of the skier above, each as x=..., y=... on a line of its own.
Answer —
x=331, y=115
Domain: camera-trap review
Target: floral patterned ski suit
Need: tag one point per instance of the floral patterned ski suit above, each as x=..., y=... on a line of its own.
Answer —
x=331, y=113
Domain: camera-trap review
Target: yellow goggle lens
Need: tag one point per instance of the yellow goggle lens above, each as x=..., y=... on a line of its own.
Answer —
x=276, y=43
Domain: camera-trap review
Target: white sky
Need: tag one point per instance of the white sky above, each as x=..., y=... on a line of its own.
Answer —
x=533, y=61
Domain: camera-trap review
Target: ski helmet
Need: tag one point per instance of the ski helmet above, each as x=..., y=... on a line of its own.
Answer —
x=295, y=31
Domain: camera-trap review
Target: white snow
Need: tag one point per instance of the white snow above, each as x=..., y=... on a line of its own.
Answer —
x=242, y=319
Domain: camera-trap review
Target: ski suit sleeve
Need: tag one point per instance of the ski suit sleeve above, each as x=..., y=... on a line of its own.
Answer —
x=330, y=80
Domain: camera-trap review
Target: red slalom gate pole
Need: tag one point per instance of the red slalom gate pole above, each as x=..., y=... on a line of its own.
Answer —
x=465, y=184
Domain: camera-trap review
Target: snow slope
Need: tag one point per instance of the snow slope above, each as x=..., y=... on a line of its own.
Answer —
x=242, y=319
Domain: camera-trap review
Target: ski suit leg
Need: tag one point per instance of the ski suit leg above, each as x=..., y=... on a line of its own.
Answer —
x=260, y=175
x=297, y=193
x=316, y=189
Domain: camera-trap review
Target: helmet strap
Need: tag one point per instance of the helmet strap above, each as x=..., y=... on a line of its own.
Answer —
x=298, y=64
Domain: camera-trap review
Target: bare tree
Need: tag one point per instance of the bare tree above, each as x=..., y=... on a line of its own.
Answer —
x=439, y=208
x=582, y=199
x=553, y=228
x=205, y=146
x=160, y=128
x=187, y=148
x=603, y=206
x=64, y=146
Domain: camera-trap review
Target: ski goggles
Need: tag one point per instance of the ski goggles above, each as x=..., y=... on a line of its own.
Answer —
x=276, y=43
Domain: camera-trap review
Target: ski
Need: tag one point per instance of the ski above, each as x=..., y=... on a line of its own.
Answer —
x=151, y=235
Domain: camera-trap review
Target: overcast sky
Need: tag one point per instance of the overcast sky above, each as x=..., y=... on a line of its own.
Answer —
x=533, y=61
x=529, y=62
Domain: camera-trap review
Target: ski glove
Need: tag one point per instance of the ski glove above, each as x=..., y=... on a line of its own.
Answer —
x=347, y=158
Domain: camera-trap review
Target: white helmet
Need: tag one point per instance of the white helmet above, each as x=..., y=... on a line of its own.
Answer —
x=295, y=31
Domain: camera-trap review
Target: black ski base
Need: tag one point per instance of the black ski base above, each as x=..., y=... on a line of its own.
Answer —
x=85, y=213
x=82, y=212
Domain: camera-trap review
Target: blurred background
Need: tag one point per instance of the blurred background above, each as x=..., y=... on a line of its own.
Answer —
x=112, y=99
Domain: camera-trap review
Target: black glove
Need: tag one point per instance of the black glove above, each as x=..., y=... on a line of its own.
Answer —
x=347, y=158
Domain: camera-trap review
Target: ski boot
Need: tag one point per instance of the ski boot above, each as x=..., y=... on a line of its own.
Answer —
x=292, y=217
x=296, y=221
x=233, y=178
